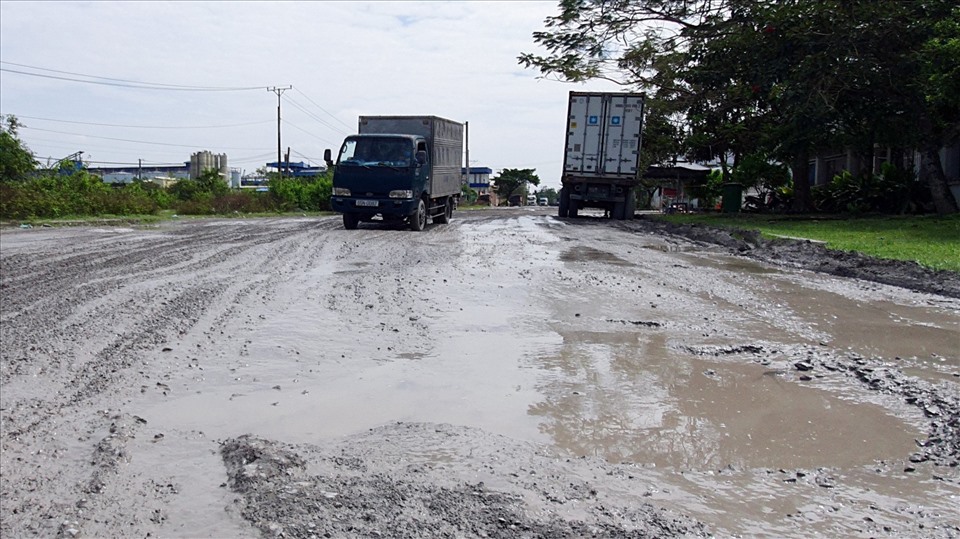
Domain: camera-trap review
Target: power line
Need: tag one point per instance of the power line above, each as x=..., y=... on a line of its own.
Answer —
x=131, y=141
x=287, y=122
x=313, y=116
x=145, y=126
x=323, y=109
x=129, y=84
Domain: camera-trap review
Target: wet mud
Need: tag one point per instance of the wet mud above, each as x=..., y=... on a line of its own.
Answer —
x=510, y=374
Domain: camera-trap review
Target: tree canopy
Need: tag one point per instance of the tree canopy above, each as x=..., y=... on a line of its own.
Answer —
x=513, y=180
x=16, y=160
x=783, y=78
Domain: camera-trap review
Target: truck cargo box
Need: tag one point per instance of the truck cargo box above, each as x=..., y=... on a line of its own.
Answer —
x=603, y=134
x=444, y=138
x=602, y=153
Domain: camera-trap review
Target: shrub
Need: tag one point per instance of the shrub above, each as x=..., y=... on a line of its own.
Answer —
x=309, y=194
x=893, y=191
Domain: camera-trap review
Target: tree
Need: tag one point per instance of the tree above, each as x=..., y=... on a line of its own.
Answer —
x=787, y=78
x=16, y=160
x=512, y=180
x=939, y=84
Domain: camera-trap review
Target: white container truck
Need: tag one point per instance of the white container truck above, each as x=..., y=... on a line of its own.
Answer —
x=602, y=153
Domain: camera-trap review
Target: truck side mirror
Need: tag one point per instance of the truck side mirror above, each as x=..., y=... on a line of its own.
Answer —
x=421, y=157
x=327, y=159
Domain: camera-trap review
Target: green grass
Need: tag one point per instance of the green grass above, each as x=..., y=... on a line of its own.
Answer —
x=928, y=240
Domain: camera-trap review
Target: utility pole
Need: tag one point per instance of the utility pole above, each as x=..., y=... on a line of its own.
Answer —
x=279, y=91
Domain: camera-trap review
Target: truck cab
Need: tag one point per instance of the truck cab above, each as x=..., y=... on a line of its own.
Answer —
x=379, y=175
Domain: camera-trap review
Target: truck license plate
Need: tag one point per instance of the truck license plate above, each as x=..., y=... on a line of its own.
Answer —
x=363, y=202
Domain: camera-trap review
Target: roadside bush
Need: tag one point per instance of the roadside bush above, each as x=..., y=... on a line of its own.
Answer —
x=308, y=194
x=242, y=202
x=892, y=191
x=197, y=204
x=708, y=193
x=127, y=200
x=61, y=195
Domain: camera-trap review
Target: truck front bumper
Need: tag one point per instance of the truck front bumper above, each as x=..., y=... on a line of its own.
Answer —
x=368, y=207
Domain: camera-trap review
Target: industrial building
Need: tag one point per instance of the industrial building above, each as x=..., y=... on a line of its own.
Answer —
x=166, y=174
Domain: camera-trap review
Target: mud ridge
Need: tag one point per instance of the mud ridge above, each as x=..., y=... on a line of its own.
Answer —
x=812, y=256
x=281, y=499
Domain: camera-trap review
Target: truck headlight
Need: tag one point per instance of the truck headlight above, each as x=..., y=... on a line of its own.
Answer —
x=341, y=192
x=400, y=193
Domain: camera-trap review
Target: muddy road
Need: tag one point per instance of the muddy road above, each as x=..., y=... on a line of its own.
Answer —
x=510, y=374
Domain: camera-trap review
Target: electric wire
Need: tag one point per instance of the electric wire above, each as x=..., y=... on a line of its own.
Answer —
x=144, y=126
x=285, y=122
x=129, y=83
x=132, y=141
x=316, y=118
x=305, y=96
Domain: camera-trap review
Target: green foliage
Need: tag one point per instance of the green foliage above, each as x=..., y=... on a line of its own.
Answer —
x=16, y=160
x=202, y=189
x=709, y=192
x=79, y=194
x=468, y=195
x=786, y=79
x=893, y=190
x=306, y=194
x=514, y=180
x=757, y=171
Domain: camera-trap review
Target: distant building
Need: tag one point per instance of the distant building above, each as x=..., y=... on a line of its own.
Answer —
x=298, y=170
x=478, y=178
x=131, y=173
x=167, y=174
x=203, y=161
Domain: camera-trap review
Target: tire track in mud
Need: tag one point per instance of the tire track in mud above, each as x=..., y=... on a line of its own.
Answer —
x=87, y=331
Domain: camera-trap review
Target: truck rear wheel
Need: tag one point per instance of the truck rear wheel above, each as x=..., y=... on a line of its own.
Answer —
x=573, y=208
x=418, y=221
x=350, y=221
x=564, y=202
x=447, y=212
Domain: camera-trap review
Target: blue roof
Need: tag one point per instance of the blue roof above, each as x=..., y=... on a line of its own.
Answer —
x=478, y=170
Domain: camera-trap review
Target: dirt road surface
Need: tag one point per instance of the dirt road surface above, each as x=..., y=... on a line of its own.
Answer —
x=510, y=374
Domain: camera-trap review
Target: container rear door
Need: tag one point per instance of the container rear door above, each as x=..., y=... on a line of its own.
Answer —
x=623, y=116
x=603, y=134
x=584, y=133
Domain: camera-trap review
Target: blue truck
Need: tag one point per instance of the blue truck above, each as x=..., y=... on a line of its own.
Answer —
x=403, y=169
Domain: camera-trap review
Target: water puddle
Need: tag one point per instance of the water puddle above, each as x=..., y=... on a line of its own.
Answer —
x=626, y=399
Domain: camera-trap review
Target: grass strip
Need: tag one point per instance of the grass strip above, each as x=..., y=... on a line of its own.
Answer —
x=931, y=241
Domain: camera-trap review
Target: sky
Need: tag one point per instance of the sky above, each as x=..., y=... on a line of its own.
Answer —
x=456, y=60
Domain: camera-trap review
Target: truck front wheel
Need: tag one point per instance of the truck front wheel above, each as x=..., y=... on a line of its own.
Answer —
x=350, y=221
x=418, y=221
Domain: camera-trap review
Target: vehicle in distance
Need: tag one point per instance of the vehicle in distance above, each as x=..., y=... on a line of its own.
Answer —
x=602, y=153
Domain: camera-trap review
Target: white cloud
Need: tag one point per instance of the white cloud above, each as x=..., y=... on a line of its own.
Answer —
x=452, y=59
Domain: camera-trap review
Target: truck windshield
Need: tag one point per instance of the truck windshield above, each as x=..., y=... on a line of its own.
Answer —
x=376, y=151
